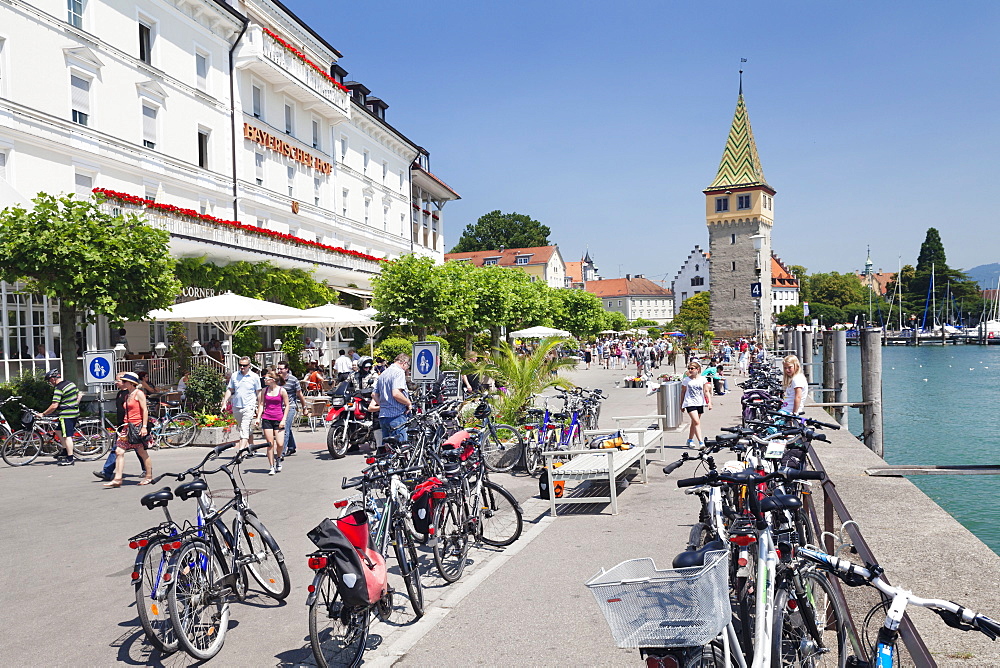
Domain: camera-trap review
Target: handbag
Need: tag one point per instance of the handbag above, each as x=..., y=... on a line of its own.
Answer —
x=133, y=436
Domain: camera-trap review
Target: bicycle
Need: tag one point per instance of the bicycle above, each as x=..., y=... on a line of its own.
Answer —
x=208, y=562
x=22, y=447
x=501, y=444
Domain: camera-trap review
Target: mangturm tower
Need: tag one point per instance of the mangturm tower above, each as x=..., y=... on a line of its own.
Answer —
x=739, y=211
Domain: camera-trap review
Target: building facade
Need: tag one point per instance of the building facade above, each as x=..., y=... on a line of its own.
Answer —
x=635, y=297
x=542, y=263
x=692, y=278
x=784, y=286
x=739, y=212
x=578, y=274
x=231, y=125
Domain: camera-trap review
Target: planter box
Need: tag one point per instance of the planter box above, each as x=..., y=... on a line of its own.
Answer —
x=213, y=436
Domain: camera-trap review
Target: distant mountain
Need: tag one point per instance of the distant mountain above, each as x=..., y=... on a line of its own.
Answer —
x=986, y=275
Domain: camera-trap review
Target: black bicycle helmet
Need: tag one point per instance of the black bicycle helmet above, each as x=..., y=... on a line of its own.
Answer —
x=52, y=373
x=482, y=410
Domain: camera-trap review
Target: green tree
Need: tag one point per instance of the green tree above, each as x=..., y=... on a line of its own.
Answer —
x=643, y=322
x=694, y=309
x=931, y=252
x=531, y=304
x=802, y=274
x=836, y=289
x=410, y=289
x=615, y=320
x=932, y=263
x=508, y=230
x=260, y=280
x=94, y=263
x=792, y=315
x=579, y=312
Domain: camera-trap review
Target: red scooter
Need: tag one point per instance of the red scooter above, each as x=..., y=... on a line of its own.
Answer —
x=351, y=424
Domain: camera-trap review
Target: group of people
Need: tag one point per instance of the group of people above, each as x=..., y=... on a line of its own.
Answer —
x=644, y=353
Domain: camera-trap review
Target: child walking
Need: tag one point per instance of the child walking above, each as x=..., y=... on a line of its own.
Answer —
x=696, y=396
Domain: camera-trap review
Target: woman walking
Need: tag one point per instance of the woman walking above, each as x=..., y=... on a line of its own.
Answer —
x=134, y=428
x=696, y=396
x=795, y=385
x=272, y=412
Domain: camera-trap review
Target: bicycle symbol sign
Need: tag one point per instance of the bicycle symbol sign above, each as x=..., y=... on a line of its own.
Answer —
x=425, y=361
x=99, y=368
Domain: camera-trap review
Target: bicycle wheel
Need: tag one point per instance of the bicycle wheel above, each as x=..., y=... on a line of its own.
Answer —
x=197, y=602
x=794, y=643
x=152, y=564
x=21, y=447
x=409, y=568
x=337, y=632
x=502, y=447
x=266, y=566
x=91, y=441
x=698, y=536
x=452, y=539
x=532, y=454
x=179, y=430
x=500, y=521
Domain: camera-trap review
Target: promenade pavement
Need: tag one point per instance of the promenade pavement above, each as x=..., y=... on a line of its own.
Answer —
x=66, y=596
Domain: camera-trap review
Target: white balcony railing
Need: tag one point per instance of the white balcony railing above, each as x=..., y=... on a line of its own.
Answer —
x=298, y=69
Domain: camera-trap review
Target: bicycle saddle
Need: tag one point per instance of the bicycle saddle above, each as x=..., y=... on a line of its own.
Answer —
x=691, y=558
x=449, y=414
x=780, y=502
x=191, y=489
x=157, y=499
x=535, y=411
x=560, y=416
x=172, y=404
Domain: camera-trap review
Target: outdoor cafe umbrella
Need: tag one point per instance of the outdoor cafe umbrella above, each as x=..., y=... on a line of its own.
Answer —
x=229, y=312
x=331, y=318
x=539, y=332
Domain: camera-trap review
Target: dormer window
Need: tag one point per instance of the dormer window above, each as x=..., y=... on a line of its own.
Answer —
x=490, y=261
x=522, y=259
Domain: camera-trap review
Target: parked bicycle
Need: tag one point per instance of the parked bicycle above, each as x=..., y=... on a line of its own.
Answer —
x=39, y=437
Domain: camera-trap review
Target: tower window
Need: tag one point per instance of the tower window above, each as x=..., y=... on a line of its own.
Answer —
x=734, y=266
x=721, y=204
x=733, y=239
x=743, y=202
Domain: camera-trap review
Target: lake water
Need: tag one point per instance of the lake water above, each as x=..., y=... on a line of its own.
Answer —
x=942, y=406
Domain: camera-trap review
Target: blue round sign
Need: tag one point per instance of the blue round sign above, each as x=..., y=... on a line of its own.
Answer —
x=425, y=362
x=99, y=368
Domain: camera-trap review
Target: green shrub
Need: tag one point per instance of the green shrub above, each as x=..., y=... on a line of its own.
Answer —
x=179, y=348
x=292, y=345
x=205, y=388
x=34, y=391
x=389, y=348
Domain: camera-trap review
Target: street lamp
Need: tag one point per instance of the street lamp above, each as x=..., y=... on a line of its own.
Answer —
x=160, y=349
x=120, y=351
x=277, y=345
x=196, y=348
x=227, y=346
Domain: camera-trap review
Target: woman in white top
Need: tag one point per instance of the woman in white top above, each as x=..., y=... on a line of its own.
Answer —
x=696, y=396
x=795, y=385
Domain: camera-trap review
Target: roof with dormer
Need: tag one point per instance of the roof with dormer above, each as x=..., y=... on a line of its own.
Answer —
x=740, y=166
x=506, y=257
x=780, y=276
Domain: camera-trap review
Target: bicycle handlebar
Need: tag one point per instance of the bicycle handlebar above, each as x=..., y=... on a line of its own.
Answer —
x=388, y=474
x=716, y=478
x=212, y=454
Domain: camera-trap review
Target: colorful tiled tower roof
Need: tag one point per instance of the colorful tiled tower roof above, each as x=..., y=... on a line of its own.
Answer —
x=740, y=166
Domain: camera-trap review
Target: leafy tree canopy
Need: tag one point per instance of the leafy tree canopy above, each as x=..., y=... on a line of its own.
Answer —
x=836, y=289
x=931, y=252
x=643, y=322
x=93, y=262
x=579, y=312
x=615, y=320
x=694, y=309
x=259, y=280
x=508, y=230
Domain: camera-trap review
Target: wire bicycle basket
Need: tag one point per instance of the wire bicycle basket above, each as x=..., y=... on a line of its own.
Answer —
x=678, y=607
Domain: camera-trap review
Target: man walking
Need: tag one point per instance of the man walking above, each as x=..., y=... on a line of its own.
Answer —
x=295, y=399
x=242, y=390
x=393, y=400
x=343, y=367
x=65, y=407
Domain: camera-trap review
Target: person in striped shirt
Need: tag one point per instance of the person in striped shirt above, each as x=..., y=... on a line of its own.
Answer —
x=65, y=407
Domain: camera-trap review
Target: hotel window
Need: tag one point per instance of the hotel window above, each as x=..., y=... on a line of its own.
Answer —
x=402, y=182
x=291, y=180
x=148, y=126
x=201, y=70
x=343, y=202
x=721, y=204
x=75, y=13
x=619, y=302
x=146, y=42
x=402, y=224
x=385, y=169
x=609, y=303
x=343, y=149
x=316, y=138
x=367, y=159
x=316, y=185
x=203, y=148
x=385, y=219
x=258, y=165
x=3, y=166
x=289, y=120
x=84, y=185
x=3, y=68
x=80, y=99
x=743, y=201
x=255, y=97
x=368, y=207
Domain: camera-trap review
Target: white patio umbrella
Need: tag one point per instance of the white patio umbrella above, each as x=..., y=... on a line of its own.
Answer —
x=229, y=312
x=331, y=318
x=539, y=332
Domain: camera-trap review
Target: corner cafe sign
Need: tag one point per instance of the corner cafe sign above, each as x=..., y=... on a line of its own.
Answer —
x=284, y=148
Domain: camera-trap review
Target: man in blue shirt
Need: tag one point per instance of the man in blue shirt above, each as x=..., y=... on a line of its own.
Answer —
x=295, y=399
x=242, y=390
x=393, y=400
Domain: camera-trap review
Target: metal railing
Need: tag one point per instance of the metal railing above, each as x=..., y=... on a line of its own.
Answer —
x=298, y=69
x=162, y=370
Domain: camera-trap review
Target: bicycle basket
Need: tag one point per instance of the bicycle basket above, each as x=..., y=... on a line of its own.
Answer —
x=679, y=607
x=27, y=419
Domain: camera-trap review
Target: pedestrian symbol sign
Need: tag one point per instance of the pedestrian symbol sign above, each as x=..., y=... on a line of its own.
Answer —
x=426, y=361
x=99, y=367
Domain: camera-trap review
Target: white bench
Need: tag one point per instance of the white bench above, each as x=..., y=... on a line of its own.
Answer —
x=596, y=464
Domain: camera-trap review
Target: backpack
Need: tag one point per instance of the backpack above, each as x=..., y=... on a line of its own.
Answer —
x=360, y=573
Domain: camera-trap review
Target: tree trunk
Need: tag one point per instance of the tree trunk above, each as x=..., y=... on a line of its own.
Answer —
x=468, y=342
x=494, y=338
x=422, y=333
x=67, y=343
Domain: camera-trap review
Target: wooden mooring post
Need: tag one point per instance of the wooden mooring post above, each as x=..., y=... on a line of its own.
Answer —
x=835, y=375
x=871, y=389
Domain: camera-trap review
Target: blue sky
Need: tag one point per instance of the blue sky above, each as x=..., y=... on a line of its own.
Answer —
x=874, y=120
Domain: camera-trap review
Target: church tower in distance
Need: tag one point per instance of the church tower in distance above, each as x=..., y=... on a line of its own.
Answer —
x=739, y=211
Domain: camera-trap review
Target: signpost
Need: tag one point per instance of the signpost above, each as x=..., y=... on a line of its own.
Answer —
x=426, y=366
x=99, y=367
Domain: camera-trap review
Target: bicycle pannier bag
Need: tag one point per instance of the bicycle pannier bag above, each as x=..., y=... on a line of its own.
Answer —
x=355, y=527
x=422, y=509
x=360, y=573
x=543, y=483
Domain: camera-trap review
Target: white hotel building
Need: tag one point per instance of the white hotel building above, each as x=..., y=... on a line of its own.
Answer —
x=237, y=110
